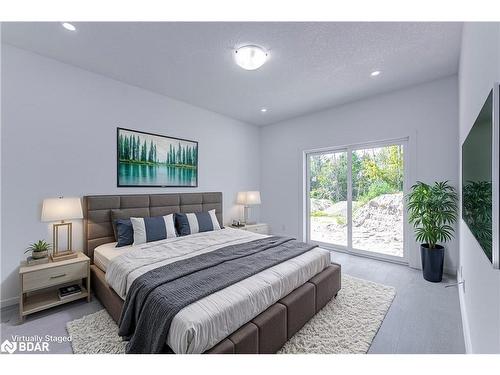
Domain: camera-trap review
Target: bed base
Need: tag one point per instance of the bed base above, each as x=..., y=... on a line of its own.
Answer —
x=267, y=332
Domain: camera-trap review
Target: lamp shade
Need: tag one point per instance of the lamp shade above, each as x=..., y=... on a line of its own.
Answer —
x=55, y=209
x=248, y=198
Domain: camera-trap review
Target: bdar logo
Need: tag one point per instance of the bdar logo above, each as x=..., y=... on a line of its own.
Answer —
x=9, y=347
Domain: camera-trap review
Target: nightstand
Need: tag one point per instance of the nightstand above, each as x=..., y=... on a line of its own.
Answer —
x=40, y=283
x=260, y=228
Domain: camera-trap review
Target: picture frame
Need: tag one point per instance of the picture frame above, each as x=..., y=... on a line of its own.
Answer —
x=146, y=159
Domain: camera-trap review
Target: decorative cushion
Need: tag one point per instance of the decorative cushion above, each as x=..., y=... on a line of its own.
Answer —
x=196, y=222
x=124, y=232
x=148, y=229
x=127, y=213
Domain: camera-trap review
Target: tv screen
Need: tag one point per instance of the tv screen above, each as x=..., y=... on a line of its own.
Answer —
x=477, y=156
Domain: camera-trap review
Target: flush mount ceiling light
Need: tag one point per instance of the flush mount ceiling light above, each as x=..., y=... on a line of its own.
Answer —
x=375, y=73
x=263, y=110
x=69, y=26
x=250, y=57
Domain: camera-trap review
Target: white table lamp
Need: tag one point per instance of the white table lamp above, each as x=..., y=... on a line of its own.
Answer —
x=247, y=199
x=61, y=209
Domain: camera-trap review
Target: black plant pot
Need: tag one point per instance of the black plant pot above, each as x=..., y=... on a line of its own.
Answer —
x=432, y=262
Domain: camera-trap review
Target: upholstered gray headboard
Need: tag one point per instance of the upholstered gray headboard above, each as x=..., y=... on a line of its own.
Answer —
x=97, y=209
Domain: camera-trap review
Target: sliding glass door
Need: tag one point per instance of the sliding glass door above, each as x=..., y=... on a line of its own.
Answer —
x=355, y=199
x=328, y=197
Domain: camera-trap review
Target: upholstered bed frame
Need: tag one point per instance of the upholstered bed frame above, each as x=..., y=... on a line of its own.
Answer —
x=267, y=332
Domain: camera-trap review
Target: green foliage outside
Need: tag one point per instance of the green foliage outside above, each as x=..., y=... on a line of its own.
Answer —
x=131, y=149
x=374, y=172
x=320, y=214
x=339, y=219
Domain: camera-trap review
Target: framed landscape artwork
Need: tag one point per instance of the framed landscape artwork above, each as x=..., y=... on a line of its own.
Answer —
x=153, y=160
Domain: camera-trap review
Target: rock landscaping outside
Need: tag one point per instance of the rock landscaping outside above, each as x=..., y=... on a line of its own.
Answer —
x=373, y=177
x=377, y=224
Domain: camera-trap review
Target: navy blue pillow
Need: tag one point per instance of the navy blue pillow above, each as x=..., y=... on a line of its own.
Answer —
x=124, y=232
x=149, y=229
x=196, y=222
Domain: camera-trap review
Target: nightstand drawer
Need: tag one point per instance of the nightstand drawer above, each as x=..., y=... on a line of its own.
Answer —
x=54, y=276
x=258, y=228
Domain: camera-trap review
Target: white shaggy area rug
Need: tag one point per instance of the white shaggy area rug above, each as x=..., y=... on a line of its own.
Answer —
x=346, y=325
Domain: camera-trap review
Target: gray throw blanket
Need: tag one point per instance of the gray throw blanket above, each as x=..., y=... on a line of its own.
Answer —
x=157, y=296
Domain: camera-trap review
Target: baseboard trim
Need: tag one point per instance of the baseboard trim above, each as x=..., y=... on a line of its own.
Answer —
x=9, y=302
x=465, y=320
x=450, y=271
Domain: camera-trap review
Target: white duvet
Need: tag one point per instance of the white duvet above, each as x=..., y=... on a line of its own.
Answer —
x=203, y=324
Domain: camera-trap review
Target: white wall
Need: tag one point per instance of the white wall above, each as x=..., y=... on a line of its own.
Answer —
x=59, y=138
x=426, y=113
x=480, y=299
x=1, y=152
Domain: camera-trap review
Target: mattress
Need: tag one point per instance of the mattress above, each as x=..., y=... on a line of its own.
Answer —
x=105, y=253
x=201, y=325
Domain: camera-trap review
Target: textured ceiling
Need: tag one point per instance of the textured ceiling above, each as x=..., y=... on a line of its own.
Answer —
x=312, y=65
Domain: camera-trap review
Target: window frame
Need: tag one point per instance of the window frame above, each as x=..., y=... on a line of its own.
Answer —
x=307, y=201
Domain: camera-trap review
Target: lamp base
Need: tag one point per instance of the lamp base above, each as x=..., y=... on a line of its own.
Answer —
x=63, y=255
x=245, y=215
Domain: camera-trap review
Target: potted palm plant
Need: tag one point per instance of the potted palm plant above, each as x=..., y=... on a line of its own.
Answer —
x=432, y=211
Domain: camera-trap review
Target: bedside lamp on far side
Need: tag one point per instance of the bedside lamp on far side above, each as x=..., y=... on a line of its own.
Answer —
x=61, y=209
x=247, y=199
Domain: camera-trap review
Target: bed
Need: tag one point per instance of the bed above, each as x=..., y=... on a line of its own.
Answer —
x=255, y=315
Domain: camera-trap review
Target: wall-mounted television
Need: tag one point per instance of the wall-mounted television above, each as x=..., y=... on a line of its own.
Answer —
x=480, y=178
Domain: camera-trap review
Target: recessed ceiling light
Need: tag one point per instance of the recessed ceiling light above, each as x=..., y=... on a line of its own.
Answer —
x=250, y=57
x=263, y=110
x=69, y=26
x=375, y=73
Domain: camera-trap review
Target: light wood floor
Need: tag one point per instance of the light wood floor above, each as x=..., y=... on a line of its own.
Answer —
x=424, y=317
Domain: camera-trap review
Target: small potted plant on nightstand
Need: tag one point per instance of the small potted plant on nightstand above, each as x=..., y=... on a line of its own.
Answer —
x=39, y=252
x=432, y=212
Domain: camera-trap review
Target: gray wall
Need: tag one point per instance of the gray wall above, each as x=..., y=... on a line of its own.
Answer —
x=480, y=299
x=60, y=123
x=426, y=113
